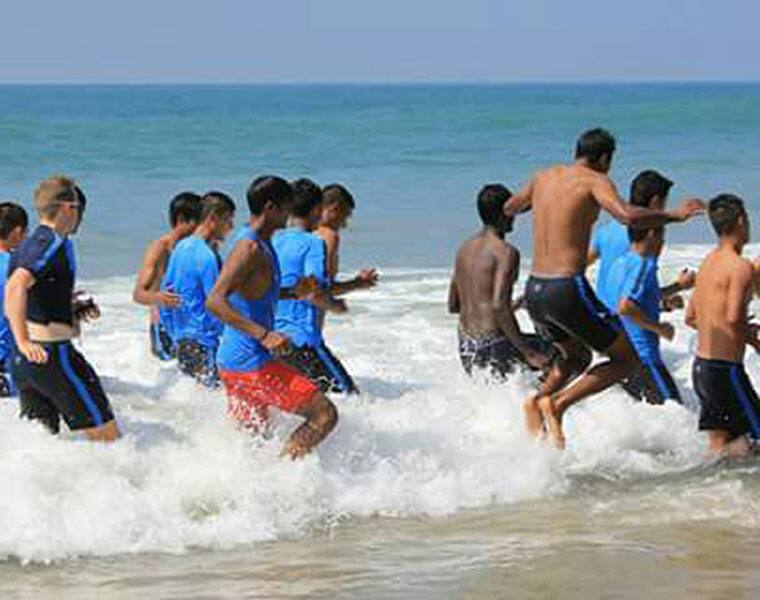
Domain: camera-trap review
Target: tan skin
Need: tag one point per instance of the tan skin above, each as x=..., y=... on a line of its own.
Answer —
x=719, y=311
x=249, y=271
x=566, y=200
x=147, y=285
x=65, y=221
x=485, y=271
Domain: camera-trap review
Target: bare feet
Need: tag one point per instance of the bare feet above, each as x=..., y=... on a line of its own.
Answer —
x=534, y=421
x=552, y=420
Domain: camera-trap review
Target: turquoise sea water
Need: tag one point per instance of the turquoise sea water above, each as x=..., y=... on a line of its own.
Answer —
x=413, y=155
x=429, y=486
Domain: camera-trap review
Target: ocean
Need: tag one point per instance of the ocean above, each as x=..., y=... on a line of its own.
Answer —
x=428, y=487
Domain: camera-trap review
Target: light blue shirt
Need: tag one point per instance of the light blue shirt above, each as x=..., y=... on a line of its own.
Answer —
x=610, y=242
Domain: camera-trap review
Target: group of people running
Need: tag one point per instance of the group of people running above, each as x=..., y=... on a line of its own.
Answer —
x=253, y=323
x=622, y=318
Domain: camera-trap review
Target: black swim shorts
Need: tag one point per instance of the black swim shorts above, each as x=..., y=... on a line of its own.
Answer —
x=64, y=386
x=727, y=400
x=320, y=365
x=566, y=307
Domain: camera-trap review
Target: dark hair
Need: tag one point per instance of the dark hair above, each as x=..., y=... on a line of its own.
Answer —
x=267, y=188
x=306, y=195
x=648, y=184
x=217, y=204
x=638, y=235
x=12, y=215
x=724, y=211
x=595, y=143
x=185, y=206
x=491, y=199
x=336, y=193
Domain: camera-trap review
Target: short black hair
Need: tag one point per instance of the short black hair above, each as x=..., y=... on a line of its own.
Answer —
x=306, y=196
x=491, y=200
x=12, y=215
x=267, y=188
x=336, y=193
x=724, y=211
x=185, y=206
x=648, y=184
x=638, y=235
x=217, y=204
x=595, y=143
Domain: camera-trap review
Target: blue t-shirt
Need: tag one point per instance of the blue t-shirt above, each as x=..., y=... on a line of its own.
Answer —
x=299, y=254
x=191, y=273
x=6, y=336
x=635, y=277
x=610, y=242
x=50, y=258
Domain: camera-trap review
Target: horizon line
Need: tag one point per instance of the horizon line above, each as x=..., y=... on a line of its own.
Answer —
x=389, y=82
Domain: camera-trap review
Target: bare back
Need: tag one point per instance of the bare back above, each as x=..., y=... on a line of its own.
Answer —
x=476, y=275
x=564, y=210
x=719, y=305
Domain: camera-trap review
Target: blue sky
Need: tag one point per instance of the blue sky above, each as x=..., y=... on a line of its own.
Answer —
x=377, y=40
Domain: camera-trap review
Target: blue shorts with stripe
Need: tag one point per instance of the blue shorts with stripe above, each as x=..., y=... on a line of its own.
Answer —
x=65, y=386
x=727, y=400
x=320, y=365
x=567, y=307
x=652, y=383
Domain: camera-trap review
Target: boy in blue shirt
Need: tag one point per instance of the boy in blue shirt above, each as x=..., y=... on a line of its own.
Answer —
x=300, y=253
x=184, y=214
x=193, y=268
x=13, y=226
x=610, y=241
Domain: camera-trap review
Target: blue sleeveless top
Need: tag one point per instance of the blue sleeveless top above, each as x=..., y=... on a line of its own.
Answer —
x=238, y=351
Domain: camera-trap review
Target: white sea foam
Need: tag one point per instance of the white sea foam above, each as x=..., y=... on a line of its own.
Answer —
x=421, y=440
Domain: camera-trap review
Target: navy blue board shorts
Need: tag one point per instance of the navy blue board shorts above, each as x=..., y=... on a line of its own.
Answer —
x=322, y=367
x=567, y=307
x=727, y=400
x=198, y=361
x=495, y=354
x=65, y=386
x=161, y=344
x=652, y=383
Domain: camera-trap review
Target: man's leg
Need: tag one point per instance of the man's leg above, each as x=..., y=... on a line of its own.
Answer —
x=572, y=360
x=622, y=361
x=321, y=417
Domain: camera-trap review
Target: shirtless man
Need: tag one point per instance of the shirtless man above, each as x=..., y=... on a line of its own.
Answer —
x=337, y=208
x=184, y=215
x=480, y=292
x=718, y=310
x=566, y=200
x=244, y=298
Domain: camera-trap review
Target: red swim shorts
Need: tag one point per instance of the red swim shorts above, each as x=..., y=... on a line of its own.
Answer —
x=251, y=393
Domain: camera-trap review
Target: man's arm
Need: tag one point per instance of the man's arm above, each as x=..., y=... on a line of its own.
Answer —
x=242, y=254
x=501, y=303
x=684, y=281
x=145, y=291
x=521, y=201
x=606, y=195
x=453, y=302
x=365, y=279
x=628, y=308
x=690, y=318
x=16, y=296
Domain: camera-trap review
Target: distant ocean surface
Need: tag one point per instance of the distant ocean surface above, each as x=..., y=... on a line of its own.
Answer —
x=429, y=486
x=414, y=155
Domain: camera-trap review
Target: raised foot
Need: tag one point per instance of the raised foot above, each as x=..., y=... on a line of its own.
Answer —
x=534, y=422
x=552, y=421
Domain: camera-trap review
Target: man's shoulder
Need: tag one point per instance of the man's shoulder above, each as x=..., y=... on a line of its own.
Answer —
x=328, y=234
